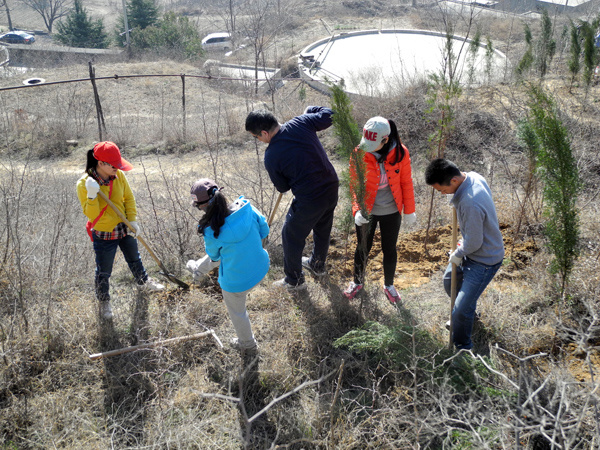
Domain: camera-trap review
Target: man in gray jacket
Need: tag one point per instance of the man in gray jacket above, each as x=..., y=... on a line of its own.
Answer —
x=481, y=251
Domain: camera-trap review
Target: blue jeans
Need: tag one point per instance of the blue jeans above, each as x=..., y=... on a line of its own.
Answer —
x=471, y=280
x=105, y=256
x=304, y=216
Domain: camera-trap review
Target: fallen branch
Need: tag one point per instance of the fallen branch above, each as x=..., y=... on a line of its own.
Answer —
x=176, y=340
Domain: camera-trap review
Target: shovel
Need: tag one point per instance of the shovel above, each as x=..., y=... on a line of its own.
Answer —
x=453, y=276
x=164, y=272
x=272, y=217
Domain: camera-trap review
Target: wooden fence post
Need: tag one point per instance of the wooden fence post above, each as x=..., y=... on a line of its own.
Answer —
x=183, y=104
x=99, y=114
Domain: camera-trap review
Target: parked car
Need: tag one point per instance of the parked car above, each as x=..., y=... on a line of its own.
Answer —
x=217, y=41
x=17, y=37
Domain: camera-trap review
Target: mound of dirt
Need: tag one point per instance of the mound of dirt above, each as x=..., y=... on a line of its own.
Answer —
x=420, y=254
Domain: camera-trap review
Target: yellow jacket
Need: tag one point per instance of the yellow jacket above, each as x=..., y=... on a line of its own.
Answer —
x=121, y=196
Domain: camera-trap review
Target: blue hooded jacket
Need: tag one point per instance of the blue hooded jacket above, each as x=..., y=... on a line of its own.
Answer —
x=244, y=261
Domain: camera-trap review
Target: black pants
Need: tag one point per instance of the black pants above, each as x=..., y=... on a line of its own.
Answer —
x=389, y=227
x=304, y=216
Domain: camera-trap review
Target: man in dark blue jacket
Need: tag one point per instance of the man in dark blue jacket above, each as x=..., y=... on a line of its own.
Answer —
x=296, y=160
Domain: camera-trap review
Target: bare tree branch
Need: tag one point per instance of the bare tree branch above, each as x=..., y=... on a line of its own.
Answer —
x=50, y=10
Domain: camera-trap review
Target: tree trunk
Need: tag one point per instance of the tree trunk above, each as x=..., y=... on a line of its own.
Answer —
x=10, y=26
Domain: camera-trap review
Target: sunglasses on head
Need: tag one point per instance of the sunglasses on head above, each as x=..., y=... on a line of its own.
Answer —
x=199, y=205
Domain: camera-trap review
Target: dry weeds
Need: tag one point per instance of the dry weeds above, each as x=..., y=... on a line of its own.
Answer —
x=197, y=395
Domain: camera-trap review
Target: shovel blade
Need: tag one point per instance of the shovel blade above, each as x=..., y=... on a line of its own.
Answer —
x=178, y=282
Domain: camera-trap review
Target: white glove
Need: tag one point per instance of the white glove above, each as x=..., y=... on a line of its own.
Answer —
x=201, y=266
x=455, y=259
x=92, y=187
x=359, y=219
x=410, y=219
x=192, y=266
x=138, y=229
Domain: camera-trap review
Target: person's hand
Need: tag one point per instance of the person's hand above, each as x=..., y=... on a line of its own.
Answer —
x=359, y=219
x=410, y=219
x=455, y=259
x=199, y=267
x=192, y=266
x=92, y=187
x=138, y=229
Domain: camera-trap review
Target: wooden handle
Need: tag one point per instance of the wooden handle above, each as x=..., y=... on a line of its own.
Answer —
x=272, y=216
x=128, y=223
x=165, y=272
x=120, y=351
x=453, y=278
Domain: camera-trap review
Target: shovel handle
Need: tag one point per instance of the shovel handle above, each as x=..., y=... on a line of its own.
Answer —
x=128, y=223
x=139, y=238
x=453, y=276
x=272, y=216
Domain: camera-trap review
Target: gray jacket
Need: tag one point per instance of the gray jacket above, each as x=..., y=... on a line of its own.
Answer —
x=482, y=239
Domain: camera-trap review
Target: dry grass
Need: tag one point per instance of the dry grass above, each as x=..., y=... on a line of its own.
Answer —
x=197, y=395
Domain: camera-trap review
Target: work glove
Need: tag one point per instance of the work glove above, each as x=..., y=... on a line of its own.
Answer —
x=201, y=267
x=92, y=187
x=138, y=229
x=455, y=259
x=410, y=219
x=359, y=219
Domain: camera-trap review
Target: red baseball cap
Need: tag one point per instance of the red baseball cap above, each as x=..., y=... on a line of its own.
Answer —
x=108, y=152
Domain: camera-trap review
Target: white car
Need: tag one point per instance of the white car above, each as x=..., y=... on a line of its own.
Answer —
x=217, y=41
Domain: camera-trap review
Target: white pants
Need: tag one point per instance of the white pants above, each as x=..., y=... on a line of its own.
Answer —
x=236, y=306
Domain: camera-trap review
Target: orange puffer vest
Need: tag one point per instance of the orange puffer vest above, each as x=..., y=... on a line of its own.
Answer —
x=399, y=178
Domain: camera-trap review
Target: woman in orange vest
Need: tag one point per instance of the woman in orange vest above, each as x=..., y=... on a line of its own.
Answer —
x=388, y=191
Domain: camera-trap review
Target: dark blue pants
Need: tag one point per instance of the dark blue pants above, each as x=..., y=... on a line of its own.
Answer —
x=304, y=216
x=471, y=280
x=105, y=256
x=389, y=228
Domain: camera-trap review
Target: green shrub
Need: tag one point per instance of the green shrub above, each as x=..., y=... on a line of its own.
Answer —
x=79, y=30
x=172, y=34
x=548, y=138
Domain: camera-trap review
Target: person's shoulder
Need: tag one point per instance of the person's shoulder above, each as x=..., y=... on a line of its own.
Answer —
x=475, y=176
x=208, y=232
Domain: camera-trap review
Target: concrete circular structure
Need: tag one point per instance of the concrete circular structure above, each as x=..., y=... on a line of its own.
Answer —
x=33, y=81
x=383, y=62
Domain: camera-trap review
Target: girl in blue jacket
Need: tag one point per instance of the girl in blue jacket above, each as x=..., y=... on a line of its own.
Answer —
x=233, y=237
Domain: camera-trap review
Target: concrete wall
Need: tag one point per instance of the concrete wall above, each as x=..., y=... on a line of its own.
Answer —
x=46, y=56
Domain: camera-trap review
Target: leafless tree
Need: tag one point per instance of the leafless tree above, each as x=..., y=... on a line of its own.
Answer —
x=50, y=10
x=261, y=23
x=5, y=4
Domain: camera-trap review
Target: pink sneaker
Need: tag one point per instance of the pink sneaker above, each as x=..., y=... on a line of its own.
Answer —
x=392, y=294
x=352, y=290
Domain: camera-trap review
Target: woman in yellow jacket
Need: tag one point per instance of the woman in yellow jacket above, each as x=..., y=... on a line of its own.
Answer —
x=388, y=192
x=104, y=171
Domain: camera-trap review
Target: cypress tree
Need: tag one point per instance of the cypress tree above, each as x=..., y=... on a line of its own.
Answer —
x=574, y=62
x=79, y=30
x=558, y=169
x=142, y=13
